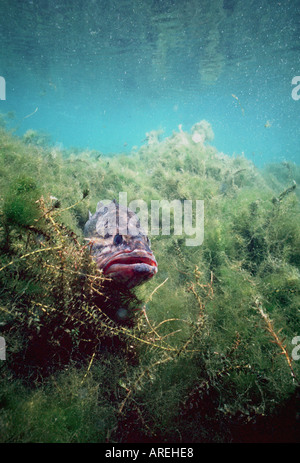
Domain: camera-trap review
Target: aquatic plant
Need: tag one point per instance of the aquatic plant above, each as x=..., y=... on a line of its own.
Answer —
x=34, y=137
x=196, y=361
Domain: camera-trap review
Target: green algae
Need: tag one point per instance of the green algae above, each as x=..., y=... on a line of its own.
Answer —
x=197, y=360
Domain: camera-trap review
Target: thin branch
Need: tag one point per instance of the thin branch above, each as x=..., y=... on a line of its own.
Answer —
x=30, y=254
x=153, y=292
x=277, y=340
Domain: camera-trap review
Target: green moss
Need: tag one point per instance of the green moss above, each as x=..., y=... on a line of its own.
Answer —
x=19, y=206
x=201, y=361
x=61, y=411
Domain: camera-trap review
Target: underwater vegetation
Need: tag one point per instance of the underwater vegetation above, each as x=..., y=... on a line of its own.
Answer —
x=207, y=353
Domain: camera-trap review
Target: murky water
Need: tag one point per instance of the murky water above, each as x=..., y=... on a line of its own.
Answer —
x=100, y=74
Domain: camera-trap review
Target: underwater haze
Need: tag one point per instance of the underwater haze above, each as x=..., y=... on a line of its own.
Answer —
x=100, y=74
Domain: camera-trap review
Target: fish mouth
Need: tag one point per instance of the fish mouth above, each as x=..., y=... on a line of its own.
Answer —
x=127, y=265
x=128, y=258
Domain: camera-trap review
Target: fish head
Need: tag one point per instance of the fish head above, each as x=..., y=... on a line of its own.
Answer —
x=120, y=247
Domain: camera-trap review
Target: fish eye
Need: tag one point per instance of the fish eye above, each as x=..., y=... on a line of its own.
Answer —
x=118, y=239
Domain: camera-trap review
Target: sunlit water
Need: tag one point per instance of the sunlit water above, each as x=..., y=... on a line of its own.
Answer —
x=99, y=74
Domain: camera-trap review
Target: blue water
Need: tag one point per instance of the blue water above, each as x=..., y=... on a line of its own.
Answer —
x=100, y=74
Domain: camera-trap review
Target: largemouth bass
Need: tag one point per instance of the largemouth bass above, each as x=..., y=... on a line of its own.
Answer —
x=120, y=247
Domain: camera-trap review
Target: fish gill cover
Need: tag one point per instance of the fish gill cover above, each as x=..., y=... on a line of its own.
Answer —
x=206, y=353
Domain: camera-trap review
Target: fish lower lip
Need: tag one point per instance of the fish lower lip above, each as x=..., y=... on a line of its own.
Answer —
x=129, y=261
